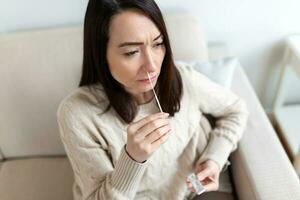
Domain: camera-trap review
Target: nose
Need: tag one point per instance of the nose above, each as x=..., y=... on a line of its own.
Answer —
x=149, y=64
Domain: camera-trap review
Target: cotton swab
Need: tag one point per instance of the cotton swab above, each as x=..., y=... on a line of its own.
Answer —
x=154, y=93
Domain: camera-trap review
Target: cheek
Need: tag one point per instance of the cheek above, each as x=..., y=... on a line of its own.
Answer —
x=119, y=67
x=160, y=57
x=123, y=71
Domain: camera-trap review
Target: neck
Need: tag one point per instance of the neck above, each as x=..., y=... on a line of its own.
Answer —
x=143, y=98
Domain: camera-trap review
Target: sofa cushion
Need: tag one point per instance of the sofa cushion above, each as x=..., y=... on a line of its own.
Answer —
x=50, y=178
x=220, y=70
x=36, y=178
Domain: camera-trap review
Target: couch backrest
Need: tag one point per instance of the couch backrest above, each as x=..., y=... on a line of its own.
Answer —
x=187, y=37
x=39, y=68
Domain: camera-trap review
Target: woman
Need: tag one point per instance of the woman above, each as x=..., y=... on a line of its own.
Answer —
x=118, y=142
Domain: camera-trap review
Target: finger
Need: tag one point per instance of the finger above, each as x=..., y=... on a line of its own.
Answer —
x=192, y=190
x=206, y=181
x=140, y=123
x=158, y=133
x=212, y=179
x=161, y=140
x=152, y=126
x=212, y=186
x=203, y=174
x=190, y=186
x=199, y=167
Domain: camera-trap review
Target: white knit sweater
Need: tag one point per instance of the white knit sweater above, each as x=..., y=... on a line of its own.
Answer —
x=94, y=142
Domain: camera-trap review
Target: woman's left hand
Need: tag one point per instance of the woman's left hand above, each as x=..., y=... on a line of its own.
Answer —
x=208, y=174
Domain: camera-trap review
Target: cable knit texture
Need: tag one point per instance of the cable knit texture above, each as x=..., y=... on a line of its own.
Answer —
x=94, y=141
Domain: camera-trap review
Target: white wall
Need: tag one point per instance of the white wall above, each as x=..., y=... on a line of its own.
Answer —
x=254, y=30
x=19, y=15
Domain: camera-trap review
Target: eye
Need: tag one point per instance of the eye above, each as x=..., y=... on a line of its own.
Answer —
x=131, y=53
x=159, y=44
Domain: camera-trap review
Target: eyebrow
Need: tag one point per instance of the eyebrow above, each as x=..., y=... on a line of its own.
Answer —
x=135, y=43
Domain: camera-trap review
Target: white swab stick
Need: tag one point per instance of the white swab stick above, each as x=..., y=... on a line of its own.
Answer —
x=154, y=92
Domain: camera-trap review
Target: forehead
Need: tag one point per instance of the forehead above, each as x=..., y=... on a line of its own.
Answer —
x=132, y=25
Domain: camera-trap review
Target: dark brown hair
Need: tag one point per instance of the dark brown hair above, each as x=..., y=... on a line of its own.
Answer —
x=95, y=66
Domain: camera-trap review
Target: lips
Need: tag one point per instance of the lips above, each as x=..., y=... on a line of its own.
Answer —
x=153, y=77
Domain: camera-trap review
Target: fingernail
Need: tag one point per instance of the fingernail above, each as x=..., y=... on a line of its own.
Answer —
x=199, y=177
x=166, y=114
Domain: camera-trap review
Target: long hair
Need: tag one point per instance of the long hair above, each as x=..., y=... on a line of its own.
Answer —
x=95, y=67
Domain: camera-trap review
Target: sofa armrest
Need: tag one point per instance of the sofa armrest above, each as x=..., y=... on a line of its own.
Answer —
x=297, y=163
x=218, y=50
x=260, y=167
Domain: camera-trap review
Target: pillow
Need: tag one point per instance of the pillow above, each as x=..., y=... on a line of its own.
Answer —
x=220, y=71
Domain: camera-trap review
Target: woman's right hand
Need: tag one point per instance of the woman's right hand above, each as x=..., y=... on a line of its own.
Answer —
x=146, y=135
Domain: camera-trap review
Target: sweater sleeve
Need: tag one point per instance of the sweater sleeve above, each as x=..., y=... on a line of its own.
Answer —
x=93, y=169
x=230, y=111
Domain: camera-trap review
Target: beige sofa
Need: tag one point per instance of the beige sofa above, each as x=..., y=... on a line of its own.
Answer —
x=39, y=67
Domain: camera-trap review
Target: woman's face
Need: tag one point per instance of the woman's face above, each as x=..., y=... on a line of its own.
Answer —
x=135, y=47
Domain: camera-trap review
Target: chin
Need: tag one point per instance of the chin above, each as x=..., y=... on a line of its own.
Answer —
x=145, y=89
